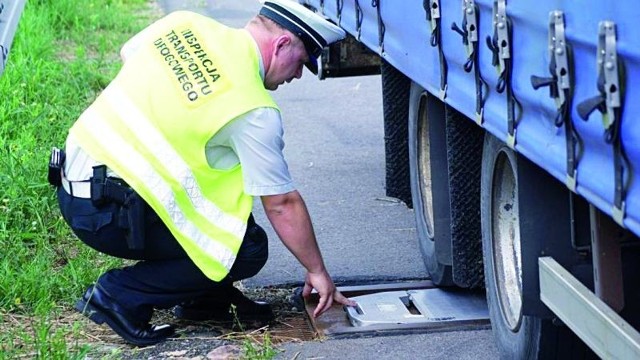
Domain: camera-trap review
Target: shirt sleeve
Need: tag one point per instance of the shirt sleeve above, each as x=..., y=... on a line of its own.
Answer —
x=257, y=140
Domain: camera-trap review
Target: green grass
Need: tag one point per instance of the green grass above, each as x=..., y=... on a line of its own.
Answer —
x=63, y=54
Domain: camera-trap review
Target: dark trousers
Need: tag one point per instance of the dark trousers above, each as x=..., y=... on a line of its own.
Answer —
x=164, y=276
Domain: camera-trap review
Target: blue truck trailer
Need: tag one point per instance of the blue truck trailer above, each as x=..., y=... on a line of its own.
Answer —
x=510, y=129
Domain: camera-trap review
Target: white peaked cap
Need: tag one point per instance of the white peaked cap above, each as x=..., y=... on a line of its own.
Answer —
x=314, y=30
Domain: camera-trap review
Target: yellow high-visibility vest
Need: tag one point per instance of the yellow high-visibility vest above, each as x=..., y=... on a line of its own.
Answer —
x=190, y=76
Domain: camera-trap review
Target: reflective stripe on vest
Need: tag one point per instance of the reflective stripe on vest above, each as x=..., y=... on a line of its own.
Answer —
x=103, y=133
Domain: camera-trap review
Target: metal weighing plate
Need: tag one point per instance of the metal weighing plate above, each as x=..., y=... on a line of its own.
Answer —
x=416, y=306
x=430, y=310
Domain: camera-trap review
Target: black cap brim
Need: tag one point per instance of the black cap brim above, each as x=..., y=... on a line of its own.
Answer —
x=312, y=64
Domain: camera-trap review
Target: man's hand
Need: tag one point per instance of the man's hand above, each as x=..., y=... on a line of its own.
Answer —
x=326, y=290
x=289, y=216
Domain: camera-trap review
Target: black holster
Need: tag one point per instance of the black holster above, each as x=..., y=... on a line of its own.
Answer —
x=133, y=207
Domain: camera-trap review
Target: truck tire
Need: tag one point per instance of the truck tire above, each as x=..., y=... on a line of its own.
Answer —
x=518, y=336
x=429, y=183
x=395, y=104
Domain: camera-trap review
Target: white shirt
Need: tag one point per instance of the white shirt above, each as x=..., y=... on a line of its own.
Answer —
x=254, y=139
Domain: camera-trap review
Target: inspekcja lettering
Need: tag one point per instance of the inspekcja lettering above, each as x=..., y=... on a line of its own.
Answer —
x=189, y=62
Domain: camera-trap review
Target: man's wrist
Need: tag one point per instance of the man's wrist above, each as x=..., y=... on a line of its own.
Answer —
x=317, y=271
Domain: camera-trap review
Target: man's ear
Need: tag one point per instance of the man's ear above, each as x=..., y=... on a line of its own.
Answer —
x=281, y=42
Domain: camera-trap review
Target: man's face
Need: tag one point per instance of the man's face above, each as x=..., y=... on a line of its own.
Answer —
x=287, y=60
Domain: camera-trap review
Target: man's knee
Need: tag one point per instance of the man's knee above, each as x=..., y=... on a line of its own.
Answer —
x=253, y=253
x=258, y=245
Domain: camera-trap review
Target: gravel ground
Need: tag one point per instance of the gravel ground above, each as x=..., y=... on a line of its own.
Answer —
x=211, y=340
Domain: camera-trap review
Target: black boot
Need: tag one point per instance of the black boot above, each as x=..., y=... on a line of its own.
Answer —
x=99, y=307
x=217, y=307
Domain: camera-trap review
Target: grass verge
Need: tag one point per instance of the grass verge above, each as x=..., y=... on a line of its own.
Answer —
x=64, y=53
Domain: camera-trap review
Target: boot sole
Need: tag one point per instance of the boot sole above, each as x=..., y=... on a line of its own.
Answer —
x=99, y=317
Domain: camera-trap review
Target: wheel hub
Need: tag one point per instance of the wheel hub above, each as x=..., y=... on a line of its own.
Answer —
x=507, y=258
x=424, y=167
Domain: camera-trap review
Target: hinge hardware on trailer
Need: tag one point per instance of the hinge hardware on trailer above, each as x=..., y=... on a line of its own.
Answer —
x=560, y=89
x=500, y=46
x=359, y=16
x=381, y=28
x=432, y=10
x=469, y=33
x=609, y=104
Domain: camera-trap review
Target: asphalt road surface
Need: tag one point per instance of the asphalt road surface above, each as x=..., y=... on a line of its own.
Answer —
x=335, y=150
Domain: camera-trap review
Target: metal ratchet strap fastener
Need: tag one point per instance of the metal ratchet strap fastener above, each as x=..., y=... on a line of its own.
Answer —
x=432, y=10
x=609, y=102
x=469, y=33
x=500, y=46
x=561, y=90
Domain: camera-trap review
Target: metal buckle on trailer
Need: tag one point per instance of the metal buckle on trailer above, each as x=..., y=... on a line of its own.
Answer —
x=500, y=46
x=609, y=104
x=560, y=89
x=608, y=64
x=471, y=27
x=470, y=14
x=559, y=52
x=608, y=101
x=432, y=10
x=502, y=31
x=469, y=33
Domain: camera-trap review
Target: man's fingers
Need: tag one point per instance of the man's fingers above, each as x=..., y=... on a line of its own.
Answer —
x=327, y=306
x=321, y=304
x=306, y=290
x=324, y=305
x=343, y=300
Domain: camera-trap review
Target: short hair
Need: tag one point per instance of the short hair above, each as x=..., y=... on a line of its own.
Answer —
x=272, y=27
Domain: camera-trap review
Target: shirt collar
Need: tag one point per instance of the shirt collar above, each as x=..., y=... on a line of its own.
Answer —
x=260, y=63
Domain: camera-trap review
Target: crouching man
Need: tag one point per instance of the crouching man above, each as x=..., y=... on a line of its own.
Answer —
x=163, y=167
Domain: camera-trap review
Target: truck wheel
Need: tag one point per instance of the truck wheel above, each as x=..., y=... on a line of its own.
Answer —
x=429, y=183
x=518, y=336
x=501, y=248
